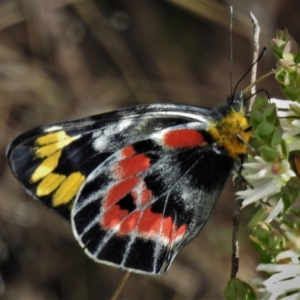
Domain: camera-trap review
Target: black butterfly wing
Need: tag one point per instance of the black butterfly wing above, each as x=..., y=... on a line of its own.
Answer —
x=52, y=162
x=146, y=201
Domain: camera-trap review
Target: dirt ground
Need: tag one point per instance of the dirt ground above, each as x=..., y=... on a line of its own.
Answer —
x=67, y=59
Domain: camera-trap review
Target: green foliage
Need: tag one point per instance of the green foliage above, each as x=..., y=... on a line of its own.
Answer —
x=237, y=289
x=288, y=74
x=271, y=176
x=267, y=242
x=267, y=130
x=276, y=238
x=291, y=196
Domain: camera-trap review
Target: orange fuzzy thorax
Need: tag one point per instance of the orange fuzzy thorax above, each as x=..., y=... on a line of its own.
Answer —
x=225, y=132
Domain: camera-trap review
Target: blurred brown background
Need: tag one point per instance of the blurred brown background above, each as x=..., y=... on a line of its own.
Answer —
x=65, y=59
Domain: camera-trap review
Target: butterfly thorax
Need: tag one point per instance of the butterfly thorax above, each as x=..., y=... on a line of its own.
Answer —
x=230, y=132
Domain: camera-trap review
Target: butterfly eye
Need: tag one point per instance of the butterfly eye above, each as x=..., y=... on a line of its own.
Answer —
x=237, y=104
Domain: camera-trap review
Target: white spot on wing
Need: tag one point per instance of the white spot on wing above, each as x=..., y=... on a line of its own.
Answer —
x=53, y=128
x=123, y=124
x=101, y=142
x=105, y=136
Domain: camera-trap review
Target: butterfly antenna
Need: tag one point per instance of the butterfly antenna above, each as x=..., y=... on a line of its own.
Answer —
x=259, y=91
x=246, y=73
x=231, y=50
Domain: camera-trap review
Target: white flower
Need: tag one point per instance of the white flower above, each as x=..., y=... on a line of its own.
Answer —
x=286, y=277
x=266, y=179
x=291, y=128
x=275, y=211
x=283, y=107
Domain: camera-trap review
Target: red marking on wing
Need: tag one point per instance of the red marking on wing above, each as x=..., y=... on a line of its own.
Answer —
x=150, y=226
x=113, y=217
x=131, y=166
x=127, y=151
x=180, y=231
x=183, y=138
x=129, y=224
x=142, y=194
x=142, y=222
x=120, y=190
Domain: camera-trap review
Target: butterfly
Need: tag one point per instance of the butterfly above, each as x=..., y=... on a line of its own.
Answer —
x=136, y=184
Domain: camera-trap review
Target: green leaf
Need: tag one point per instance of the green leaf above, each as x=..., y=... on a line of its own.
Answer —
x=277, y=47
x=284, y=46
x=284, y=149
x=262, y=231
x=276, y=241
x=256, y=117
x=292, y=93
x=279, y=43
x=265, y=129
x=263, y=133
x=237, y=289
x=257, y=217
x=290, y=193
x=290, y=51
x=267, y=242
x=269, y=154
x=282, y=76
x=295, y=108
x=270, y=113
x=260, y=104
x=276, y=137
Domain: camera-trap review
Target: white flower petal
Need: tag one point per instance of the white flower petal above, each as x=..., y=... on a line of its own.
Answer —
x=276, y=210
x=281, y=104
x=290, y=133
x=287, y=254
x=294, y=146
x=286, y=114
x=264, y=191
x=272, y=268
x=295, y=296
x=285, y=286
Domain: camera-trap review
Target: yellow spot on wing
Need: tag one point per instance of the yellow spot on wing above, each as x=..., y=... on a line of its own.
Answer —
x=48, y=150
x=49, y=143
x=68, y=189
x=49, y=184
x=51, y=138
x=46, y=167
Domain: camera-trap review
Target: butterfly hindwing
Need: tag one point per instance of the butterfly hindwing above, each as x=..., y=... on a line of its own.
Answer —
x=150, y=198
x=52, y=162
